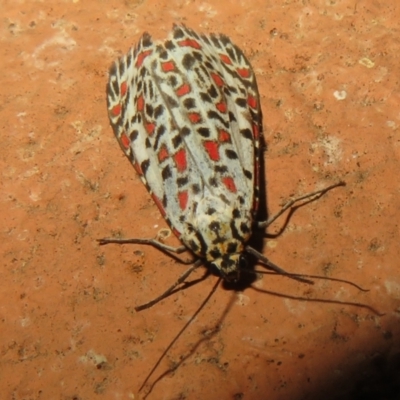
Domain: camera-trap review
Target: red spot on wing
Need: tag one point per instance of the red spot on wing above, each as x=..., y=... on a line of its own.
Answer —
x=221, y=107
x=140, y=103
x=217, y=79
x=125, y=141
x=229, y=183
x=158, y=204
x=190, y=43
x=212, y=149
x=150, y=126
x=243, y=72
x=163, y=154
x=252, y=102
x=194, y=118
x=141, y=56
x=116, y=110
x=168, y=66
x=182, y=90
x=225, y=59
x=224, y=136
x=123, y=88
x=256, y=131
x=183, y=199
x=180, y=160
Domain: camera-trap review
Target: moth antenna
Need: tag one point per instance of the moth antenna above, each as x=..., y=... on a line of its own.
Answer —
x=274, y=267
x=317, y=300
x=327, y=278
x=180, y=280
x=165, y=352
x=317, y=194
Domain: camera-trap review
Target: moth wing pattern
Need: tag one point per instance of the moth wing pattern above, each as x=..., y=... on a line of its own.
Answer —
x=186, y=113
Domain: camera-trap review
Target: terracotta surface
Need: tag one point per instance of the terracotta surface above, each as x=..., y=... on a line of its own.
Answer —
x=328, y=74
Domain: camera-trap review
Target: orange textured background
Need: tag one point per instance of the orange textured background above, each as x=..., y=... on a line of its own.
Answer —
x=328, y=74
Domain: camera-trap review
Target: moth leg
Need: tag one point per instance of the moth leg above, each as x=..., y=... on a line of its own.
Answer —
x=151, y=242
x=180, y=280
x=316, y=194
x=169, y=250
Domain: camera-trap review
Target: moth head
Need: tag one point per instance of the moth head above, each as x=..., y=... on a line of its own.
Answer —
x=229, y=266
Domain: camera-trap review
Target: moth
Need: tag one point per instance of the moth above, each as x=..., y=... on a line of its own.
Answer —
x=186, y=112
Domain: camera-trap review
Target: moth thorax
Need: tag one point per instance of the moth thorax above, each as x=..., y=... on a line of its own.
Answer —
x=229, y=266
x=217, y=232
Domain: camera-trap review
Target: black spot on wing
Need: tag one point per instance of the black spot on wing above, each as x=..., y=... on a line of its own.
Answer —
x=213, y=92
x=169, y=45
x=121, y=68
x=159, y=134
x=129, y=59
x=204, y=38
x=172, y=81
x=205, y=132
x=149, y=110
x=246, y=133
x=188, y=61
x=178, y=33
x=236, y=213
x=221, y=169
x=189, y=103
x=211, y=211
x=248, y=174
x=176, y=141
x=198, y=56
x=158, y=111
x=114, y=86
x=134, y=135
x=209, y=66
x=145, y=166
x=196, y=188
x=146, y=40
x=241, y=102
x=213, y=182
x=205, y=97
x=215, y=41
x=232, y=155
x=185, y=131
x=225, y=41
x=166, y=173
x=172, y=103
x=182, y=181
x=231, y=54
x=113, y=69
x=215, y=115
